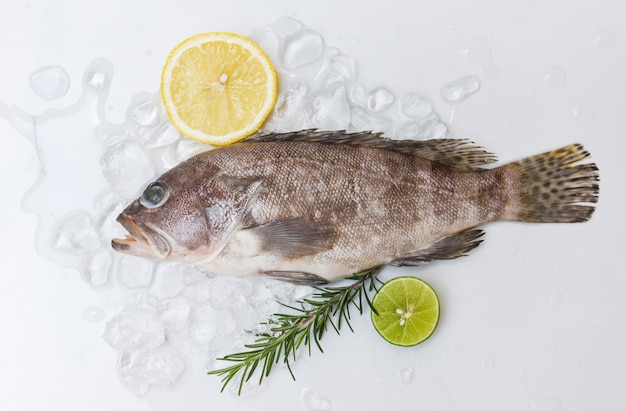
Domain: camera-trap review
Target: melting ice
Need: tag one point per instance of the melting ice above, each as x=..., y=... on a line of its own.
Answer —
x=163, y=315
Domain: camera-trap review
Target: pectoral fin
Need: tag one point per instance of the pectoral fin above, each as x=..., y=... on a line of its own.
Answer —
x=447, y=248
x=296, y=277
x=294, y=237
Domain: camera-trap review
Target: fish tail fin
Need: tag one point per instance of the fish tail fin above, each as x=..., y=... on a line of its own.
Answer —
x=554, y=187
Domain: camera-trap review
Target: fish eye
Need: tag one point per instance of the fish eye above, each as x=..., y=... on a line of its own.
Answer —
x=154, y=195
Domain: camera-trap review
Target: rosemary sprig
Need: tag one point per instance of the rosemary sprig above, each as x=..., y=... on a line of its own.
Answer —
x=288, y=332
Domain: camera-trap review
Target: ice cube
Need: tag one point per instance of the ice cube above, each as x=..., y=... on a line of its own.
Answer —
x=97, y=269
x=435, y=129
x=164, y=135
x=358, y=95
x=457, y=91
x=328, y=109
x=186, y=149
x=144, y=110
x=134, y=329
x=379, y=99
x=50, y=82
x=344, y=66
x=281, y=290
x=193, y=275
x=134, y=272
x=127, y=167
x=174, y=313
x=287, y=114
x=312, y=400
x=76, y=233
x=156, y=367
x=300, y=48
x=111, y=134
x=203, y=326
x=285, y=26
x=226, y=324
x=414, y=106
x=228, y=292
x=93, y=314
x=167, y=281
x=408, y=131
x=362, y=120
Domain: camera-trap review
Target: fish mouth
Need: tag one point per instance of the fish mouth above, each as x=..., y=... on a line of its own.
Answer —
x=142, y=240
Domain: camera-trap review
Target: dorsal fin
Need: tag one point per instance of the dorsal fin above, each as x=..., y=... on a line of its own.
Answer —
x=462, y=154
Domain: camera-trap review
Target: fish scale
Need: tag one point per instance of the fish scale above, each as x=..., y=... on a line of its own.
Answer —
x=312, y=207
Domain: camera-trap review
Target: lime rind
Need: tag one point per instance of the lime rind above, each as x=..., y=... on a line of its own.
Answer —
x=408, y=311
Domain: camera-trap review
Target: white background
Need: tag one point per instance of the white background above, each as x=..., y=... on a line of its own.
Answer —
x=534, y=319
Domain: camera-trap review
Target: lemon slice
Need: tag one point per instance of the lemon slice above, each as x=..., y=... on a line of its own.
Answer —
x=218, y=88
x=408, y=311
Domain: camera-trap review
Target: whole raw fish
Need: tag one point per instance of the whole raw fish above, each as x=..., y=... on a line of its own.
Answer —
x=312, y=207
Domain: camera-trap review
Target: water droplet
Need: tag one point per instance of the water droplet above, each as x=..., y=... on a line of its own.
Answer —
x=50, y=82
x=457, y=91
x=476, y=50
x=98, y=75
x=311, y=400
x=605, y=39
x=556, y=298
x=379, y=99
x=585, y=114
x=555, y=78
x=488, y=362
x=96, y=79
x=545, y=404
x=93, y=314
x=405, y=375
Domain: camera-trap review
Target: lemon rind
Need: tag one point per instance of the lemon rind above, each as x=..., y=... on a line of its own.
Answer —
x=234, y=136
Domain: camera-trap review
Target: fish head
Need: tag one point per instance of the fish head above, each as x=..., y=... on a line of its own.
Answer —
x=166, y=223
x=183, y=217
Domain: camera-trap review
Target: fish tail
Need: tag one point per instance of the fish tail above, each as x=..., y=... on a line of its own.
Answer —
x=553, y=187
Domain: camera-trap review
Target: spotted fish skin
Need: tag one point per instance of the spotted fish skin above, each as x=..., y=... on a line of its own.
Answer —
x=313, y=207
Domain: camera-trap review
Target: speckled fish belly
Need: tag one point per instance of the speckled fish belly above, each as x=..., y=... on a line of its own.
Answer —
x=313, y=207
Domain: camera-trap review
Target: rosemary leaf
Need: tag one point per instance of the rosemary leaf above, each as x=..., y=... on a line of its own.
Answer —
x=288, y=332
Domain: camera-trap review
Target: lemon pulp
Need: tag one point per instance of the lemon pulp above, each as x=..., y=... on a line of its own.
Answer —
x=408, y=311
x=218, y=88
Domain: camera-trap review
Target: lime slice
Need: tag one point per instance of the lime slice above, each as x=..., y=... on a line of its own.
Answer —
x=408, y=311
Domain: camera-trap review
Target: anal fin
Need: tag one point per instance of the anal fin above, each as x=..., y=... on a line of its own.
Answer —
x=296, y=277
x=456, y=245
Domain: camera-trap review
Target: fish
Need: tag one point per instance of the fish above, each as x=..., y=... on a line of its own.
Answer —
x=312, y=207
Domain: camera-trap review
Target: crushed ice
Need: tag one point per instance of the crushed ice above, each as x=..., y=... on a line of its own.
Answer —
x=165, y=317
